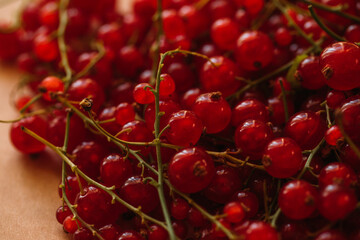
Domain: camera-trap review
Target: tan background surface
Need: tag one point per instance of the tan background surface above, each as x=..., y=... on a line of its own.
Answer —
x=28, y=187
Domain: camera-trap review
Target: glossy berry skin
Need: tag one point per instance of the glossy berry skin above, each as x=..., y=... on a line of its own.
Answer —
x=333, y=135
x=195, y=218
x=219, y=74
x=136, y=131
x=167, y=106
x=142, y=94
x=94, y=206
x=213, y=110
x=331, y=235
x=282, y=157
x=185, y=128
x=124, y=113
x=167, y=85
x=88, y=156
x=277, y=110
x=45, y=48
x=157, y=233
x=249, y=201
x=191, y=170
x=339, y=65
x=62, y=212
x=108, y=113
x=179, y=208
x=70, y=225
x=251, y=137
x=234, y=212
x=223, y=185
x=224, y=33
x=129, y=61
x=115, y=170
x=130, y=235
x=72, y=188
x=334, y=99
x=336, y=202
x=109, y=232
x=249, y=109
x=254, y=50
x=82, y=234
x=307, y=128
x=309, y=73
x=283, y=37
x=51, y=85
x=260, y=230
x=350, y=116
x=337, y=173
x=24, y=142
x=298, y=199
x=86, y=87
x=137, y=193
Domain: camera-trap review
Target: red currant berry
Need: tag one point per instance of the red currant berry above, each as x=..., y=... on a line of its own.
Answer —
x=352, y=33
x=185, y=128
x=249, y=201
x=94, y=206
x=87, y=88
x=223, y=185
x=260, y=230
x=283, y=37
x=191, y=170
x=45, y=48
x=334, y=99
x=298, y=199
x=124, y=113
x=168, y=107
x=115, y=170
x=213, y=110
x=336, y=202
x=224, y=33
x=140, y=194
x=330, y=235
x=62, y=212
x=309, y=73
x=333, y=135
x=249, y=109
x=167, y=85
x=70, y=224
x=350, y=115
x=142, y=94
x=306, y=128
x=51, y=85
x=251, y=138
x=130, y=235
x=234, y=212
x=254, y=50
x=339, y=65
x=337, y=173
x=179, y=208
x=157, y=233
x=282, y=157
x=218, y=74
x=23, y=141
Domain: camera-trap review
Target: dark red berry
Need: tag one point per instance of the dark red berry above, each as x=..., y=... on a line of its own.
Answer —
x=191, y=170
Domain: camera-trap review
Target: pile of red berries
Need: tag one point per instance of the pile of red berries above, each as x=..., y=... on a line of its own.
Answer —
x=195, y=119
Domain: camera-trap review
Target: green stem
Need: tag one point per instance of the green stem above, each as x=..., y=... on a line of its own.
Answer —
x=108, y=190
x=63, y=21
x=291, y=23
x=335, y=10
x=236, y=160
x=32, y=100
x=309, y=159
x=323, y=27
x=160, y=186
x=67, y=130
x=93, y=61
x=71, y=207
x=275, y=217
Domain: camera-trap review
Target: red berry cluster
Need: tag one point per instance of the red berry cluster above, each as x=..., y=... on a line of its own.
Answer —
x=184, y=119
